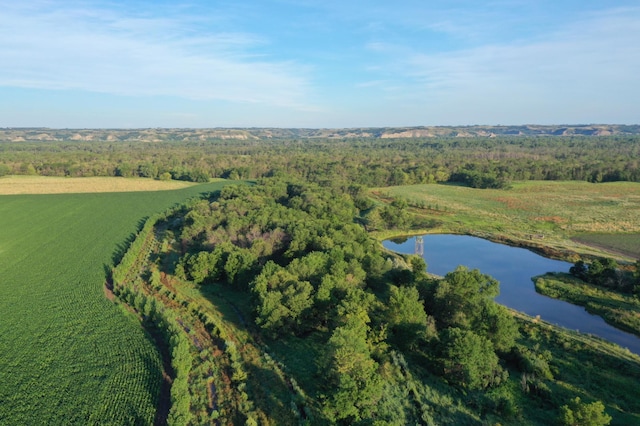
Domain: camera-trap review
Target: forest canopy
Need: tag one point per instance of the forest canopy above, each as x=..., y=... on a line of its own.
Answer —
x=477, y=161
x=310, y=270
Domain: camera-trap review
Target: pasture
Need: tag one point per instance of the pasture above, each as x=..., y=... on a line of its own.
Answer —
x=555, y=211
x=68, y=355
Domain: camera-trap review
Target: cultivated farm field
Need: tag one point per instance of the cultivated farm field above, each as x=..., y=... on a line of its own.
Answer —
x=68, y=354
x=554, y=210
x=62, y=185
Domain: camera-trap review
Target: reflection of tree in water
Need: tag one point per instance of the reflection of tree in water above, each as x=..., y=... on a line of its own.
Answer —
x=399, y=240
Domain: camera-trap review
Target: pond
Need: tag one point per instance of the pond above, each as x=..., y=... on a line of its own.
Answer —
x=513, y=267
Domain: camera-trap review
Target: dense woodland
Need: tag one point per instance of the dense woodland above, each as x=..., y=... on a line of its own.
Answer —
x=381, y=341
x=477, y=161
x=309, y=268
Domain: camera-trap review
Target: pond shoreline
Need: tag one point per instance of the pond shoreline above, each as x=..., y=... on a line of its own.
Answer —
x=535, y=244
x=514, y=266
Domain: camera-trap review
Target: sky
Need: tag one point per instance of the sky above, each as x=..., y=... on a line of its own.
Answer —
x=318, y=64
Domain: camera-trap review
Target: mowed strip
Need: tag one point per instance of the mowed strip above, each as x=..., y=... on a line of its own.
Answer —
x=14, y=185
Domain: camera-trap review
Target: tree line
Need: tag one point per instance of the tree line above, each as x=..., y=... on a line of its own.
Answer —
x=479, y=162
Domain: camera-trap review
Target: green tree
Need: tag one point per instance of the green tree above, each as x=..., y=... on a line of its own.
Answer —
x=407, y=319
x=459, y=298
x=579, y=269
x=125, y=170
x=166, y=176
x=148, y=170
x=238, y=267
x=469, y=360
x=578, y=413
x=28, y=169
x=497, y=324
x=353, y=383
x=202, y=267
x=282, y=300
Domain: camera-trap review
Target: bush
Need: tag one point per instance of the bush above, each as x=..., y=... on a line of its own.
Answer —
x=578, y=413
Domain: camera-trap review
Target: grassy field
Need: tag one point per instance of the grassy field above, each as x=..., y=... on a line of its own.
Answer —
x=68, y=355
x=625, y=244
x=10, y=185
x=548, y=212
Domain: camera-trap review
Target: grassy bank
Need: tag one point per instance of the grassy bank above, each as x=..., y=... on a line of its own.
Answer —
x=621, y=311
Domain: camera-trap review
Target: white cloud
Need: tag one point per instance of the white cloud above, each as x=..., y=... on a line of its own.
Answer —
x=100, y=50
x=588, y=69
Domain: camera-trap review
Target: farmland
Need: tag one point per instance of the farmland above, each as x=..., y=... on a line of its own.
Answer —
x=69, y=355
x=559, y=213
x=11, y=185
x=254, y=294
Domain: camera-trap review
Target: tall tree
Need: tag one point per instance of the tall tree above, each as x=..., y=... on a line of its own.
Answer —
x=469, y=360
x=353, y=383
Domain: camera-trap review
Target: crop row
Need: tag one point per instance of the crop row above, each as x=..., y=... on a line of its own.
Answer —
x=68, y=355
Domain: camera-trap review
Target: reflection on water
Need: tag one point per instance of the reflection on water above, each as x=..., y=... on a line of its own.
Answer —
x=513, y=267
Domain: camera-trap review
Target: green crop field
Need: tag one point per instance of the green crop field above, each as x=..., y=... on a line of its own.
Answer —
x=557, y=211
x=68, y=355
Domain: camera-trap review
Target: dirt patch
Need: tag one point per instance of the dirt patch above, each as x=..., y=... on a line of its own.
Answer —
x=108, y=290
x=551, y=219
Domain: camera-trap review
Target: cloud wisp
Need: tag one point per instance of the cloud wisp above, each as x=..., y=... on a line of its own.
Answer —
x=101, y=50
x=574, y=73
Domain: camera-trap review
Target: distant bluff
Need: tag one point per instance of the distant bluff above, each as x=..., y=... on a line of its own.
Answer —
x=247, y=134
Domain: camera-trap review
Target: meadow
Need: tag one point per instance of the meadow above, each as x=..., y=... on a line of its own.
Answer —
x=557, y=213
x=69, y=355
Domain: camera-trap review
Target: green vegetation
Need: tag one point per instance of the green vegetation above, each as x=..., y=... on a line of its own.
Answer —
x=294, y=314
x=273, y=303
x=70, y=356
x=544, y=215
x=561, y=365
x=581, y=414
x=373, y=162
x=619, y=310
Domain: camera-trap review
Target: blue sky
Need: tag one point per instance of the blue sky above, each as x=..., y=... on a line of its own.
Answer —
x=302, y=63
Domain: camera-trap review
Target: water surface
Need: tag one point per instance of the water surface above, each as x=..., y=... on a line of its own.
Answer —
x=513, y=267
